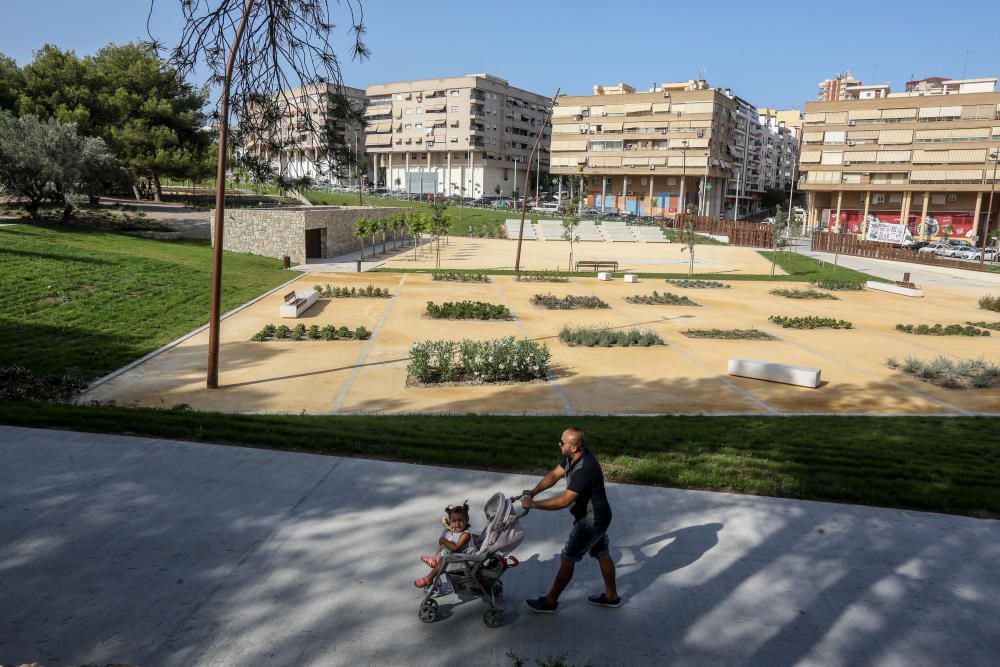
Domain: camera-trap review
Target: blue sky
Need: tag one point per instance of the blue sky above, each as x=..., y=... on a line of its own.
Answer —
x=772, y=54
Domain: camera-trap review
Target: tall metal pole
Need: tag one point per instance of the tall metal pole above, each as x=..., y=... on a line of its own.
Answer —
x=791, y=194
x=215, y=310
x=524, y=200
x=746, y=159
x=995, y=157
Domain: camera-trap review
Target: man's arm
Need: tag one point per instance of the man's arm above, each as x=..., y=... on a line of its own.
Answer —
x=565, y=499
x=547, y=482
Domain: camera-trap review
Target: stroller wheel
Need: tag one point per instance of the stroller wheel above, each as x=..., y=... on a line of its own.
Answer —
x=428, y=611
x=493, y=618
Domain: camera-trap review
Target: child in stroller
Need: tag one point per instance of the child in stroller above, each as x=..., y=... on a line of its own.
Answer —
x=478, y=571
x=455, y=539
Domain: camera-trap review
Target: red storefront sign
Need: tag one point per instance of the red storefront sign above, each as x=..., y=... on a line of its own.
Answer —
x=961, y=223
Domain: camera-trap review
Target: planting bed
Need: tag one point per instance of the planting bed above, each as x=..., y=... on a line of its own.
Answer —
x=489, y=361
x=802, y=294
x=809, y=322
x=569, y=302
x=369, y=291
x=698, y=284
x=665, y=299
x=609, y=337
x=460, y=276
x=942, y=371
x=468, y=310
x=938, y=330
x=299, y=332
x=729, y=334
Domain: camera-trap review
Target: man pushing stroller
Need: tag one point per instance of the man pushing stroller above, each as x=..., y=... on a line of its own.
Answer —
x=588, y=503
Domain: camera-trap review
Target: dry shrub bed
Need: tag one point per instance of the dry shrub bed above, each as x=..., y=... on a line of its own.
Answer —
x=990, y=302
x=478, y=361
x=542, y=277
x=839, y=284
x=810, y=322
x=995, y=326
x=17, y=383
x=299, y=332
x=967, y=374
x=665, y=299
x=370, y=290
x=802, y=294
x=938, y=330
x=608, y=337
x=699, y=284
x=468, y=310
x=729, y=334
x=569, y=302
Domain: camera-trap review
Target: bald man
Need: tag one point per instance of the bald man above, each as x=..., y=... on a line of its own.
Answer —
x=588, y=503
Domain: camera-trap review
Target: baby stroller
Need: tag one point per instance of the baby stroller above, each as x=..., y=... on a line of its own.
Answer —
x=479, y=574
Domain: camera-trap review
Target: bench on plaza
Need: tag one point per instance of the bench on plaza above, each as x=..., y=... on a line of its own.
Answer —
x=296, y=303
x=597, y=265
x=775, y=372
x=912, y=290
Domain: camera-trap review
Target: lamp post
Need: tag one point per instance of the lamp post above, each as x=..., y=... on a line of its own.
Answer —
x=994, y=157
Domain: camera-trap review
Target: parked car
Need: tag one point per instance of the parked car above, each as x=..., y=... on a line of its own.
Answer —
x=590, y=212
x=931, y=249
x=547, y=207
x=990, y=254
x=952, y=246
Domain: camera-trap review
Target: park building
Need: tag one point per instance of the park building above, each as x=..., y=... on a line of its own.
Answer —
x=464, y=135
x=926, y=157
x=302, y=152
x=650, y=152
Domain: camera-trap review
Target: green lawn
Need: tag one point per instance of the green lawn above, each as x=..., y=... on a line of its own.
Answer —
x=84, y=302
x=937, y=464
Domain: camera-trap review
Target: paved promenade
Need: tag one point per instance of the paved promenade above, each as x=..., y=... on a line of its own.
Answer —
x=151, y=552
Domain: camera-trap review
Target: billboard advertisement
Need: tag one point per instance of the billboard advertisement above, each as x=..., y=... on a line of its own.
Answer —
x=956, y=224
x=885, y=232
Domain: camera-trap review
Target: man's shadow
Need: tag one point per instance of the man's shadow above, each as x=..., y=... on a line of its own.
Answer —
x=687, y=546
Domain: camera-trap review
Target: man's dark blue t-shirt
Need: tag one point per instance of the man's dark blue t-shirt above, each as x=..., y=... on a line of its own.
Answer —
x=586, y=479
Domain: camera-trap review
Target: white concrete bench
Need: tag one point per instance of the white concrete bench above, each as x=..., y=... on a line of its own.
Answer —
x=631, y=278
x=895, y=289
x=603, y=275
x=775, y=372
x=297, y=303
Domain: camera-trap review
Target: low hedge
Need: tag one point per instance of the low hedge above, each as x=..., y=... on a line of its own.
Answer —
x=608, y=337
x=938, y=330
x=460, y=276
x=468, y=310
x=499, y=360
x=699, y=284
x=839, y=284
x=995, y=326
x=729, y=334
x=271, y=332
x=990, y=302
x=371, y=291
x=802, y=294
x=569, y=302
x=811, y=322
x=966, y=374
x=665, y=299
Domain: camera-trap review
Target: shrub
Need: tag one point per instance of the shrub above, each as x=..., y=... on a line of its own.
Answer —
x=810, y=322
x=938, y=330
x=667, y=298
x=990, y=302
x=343, y=332
x=313, y=333
x=461, y=276
x=468, y=310
x=329, y=332
x=498, y=360
x=299, y=332
x=839, y=284
x=729, y=334
x=282, y=332
x=986, y=325
x=542, y=277
x=369, y=291
x=361, y=334
x=967, y=374
x=699, y=284
x=570, y=302
x=802, y=294
x=17, y=383
x=608, y=337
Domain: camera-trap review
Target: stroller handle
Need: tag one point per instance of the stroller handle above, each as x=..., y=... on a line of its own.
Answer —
x=524, y=510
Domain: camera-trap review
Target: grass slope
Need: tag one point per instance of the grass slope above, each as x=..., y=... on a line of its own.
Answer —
x=935, y=464
x=85, y=302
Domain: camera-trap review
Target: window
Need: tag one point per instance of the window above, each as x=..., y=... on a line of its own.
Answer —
x=454, y=93
x=409, y=112
x=408, y=126
x=895, y=198
x=454, y=109
x=952, y=196
x=878, y=198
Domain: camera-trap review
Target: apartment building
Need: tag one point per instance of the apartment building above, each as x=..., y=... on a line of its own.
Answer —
x=306, y=114
x=469, y=135
x=654, y=152
x=922, y=157
x=836, y=89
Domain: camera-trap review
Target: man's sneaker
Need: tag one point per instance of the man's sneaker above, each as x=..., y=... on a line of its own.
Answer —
x=541, y=606
x=603, y=601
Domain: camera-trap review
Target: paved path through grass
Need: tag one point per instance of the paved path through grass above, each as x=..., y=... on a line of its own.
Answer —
x=130, y=550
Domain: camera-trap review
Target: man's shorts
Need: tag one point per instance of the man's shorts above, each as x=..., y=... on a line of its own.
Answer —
x=584, y=538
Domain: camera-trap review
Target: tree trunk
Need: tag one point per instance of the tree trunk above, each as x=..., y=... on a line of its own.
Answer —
x=32, y=208
x=135, y=191
x=67, y=213
x=157, y=190
x=384, y=234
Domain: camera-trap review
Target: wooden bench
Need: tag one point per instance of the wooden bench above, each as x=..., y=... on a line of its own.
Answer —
x=597, y=265
x=296, y=303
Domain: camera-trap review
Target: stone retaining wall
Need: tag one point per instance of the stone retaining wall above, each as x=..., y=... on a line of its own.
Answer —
x=276, y=232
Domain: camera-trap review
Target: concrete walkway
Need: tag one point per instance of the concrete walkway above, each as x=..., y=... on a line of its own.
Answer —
x=120, y=549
